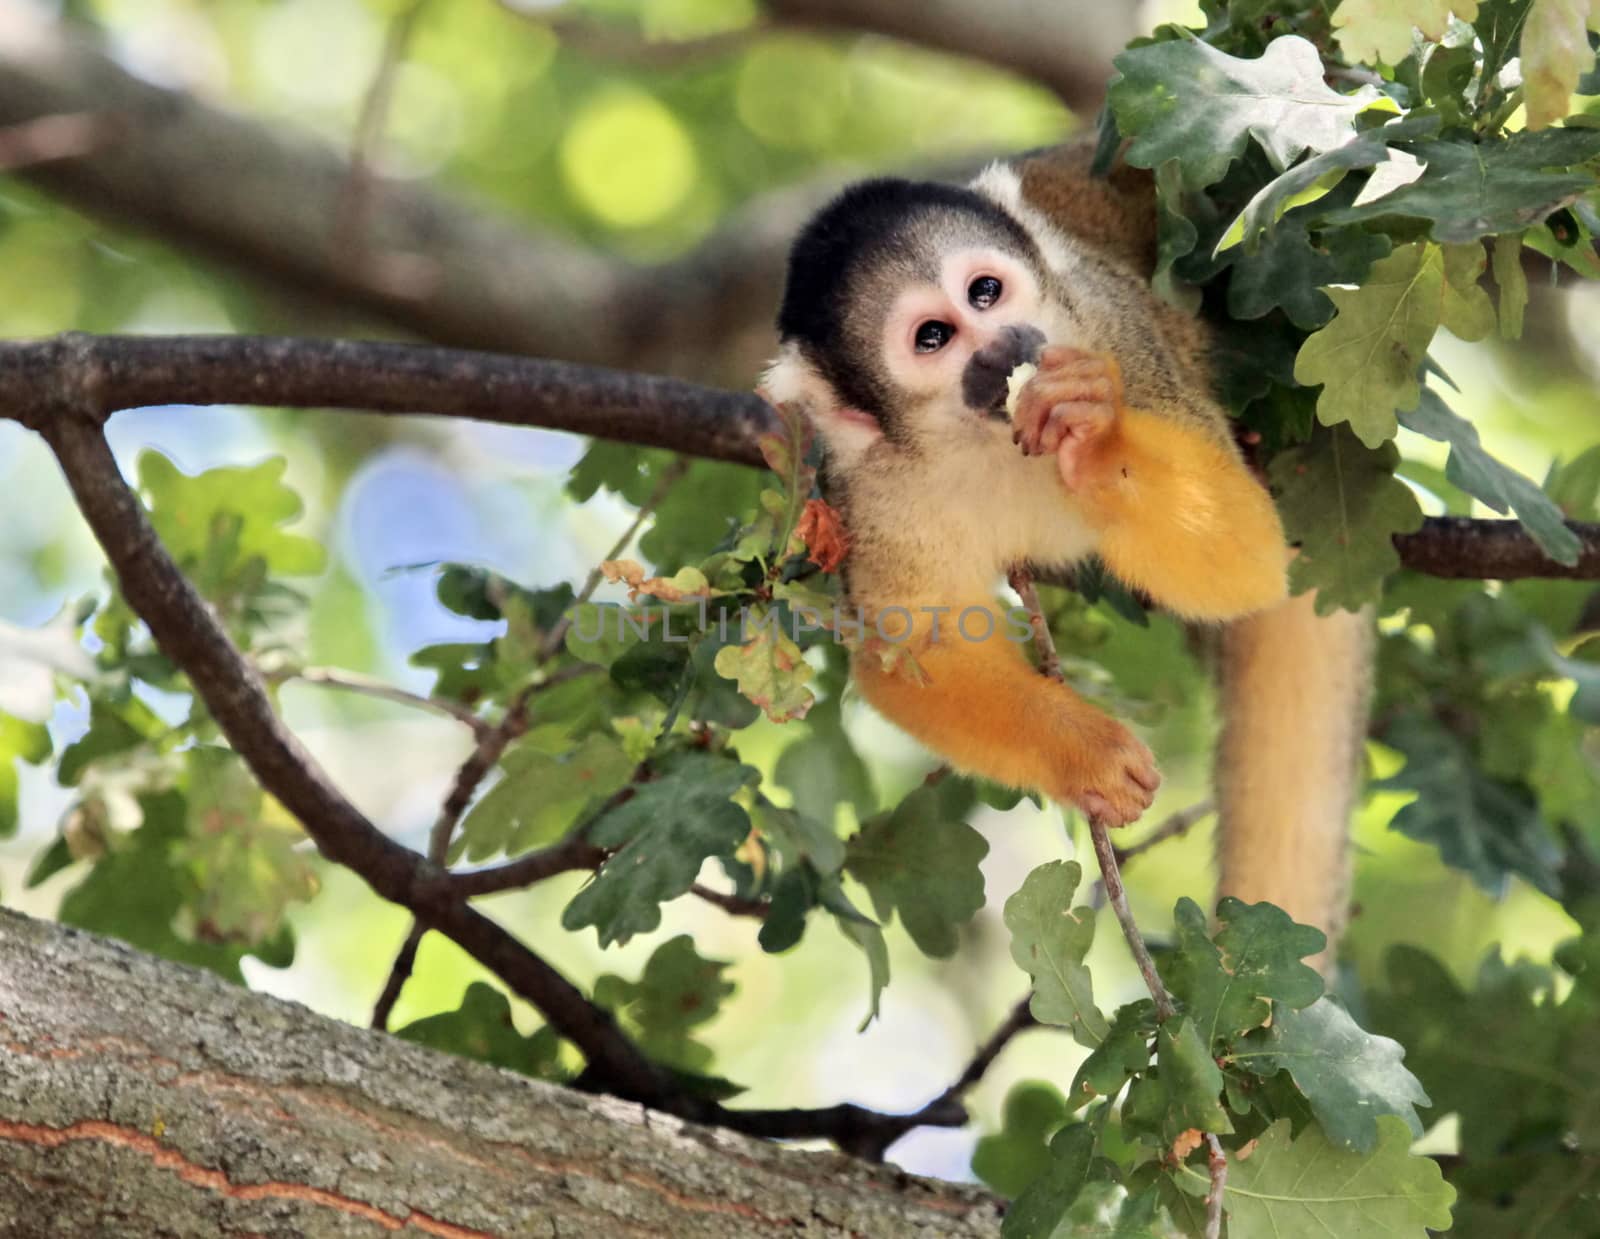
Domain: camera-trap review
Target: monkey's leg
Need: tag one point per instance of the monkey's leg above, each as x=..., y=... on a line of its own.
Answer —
x=982, y=706
x=1294, y=696
x=1179, y=515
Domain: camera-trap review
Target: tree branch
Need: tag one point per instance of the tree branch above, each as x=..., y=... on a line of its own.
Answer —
x=101, y=374
x=202, y=1108
x=1066, y=45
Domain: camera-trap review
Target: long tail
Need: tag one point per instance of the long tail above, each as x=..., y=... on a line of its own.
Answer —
x=1295, y=690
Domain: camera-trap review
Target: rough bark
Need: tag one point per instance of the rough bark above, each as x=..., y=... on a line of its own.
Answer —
x=142, y=1098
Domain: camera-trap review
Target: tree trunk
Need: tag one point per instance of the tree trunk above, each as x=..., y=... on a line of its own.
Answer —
x=143, y=1098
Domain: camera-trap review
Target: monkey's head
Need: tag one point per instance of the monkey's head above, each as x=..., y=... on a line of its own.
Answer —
x=908, y=303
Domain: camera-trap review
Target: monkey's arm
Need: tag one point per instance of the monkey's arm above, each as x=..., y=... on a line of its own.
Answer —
x=983, y=706
x=1178, y=514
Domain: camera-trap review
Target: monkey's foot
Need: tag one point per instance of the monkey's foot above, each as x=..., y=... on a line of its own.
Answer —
x=1119, y=784
x=1070, y=403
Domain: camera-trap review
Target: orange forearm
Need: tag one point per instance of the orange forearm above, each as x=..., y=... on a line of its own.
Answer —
x=981, y=705
x=1182, y=519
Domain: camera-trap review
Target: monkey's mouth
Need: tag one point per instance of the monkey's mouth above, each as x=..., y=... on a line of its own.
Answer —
x=983, y=382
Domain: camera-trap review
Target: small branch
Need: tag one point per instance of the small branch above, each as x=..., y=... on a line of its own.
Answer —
x=1175, y=827
x=733, y=905
x=870, y=1134
x=370, y=686
x=1462, y=548
x=557, y=635
x=405, y=961
x=1049, y=660
x=403, y=275
x=1217, y=1163
x=571, y=854
x=1104, y=852
x=1020, y=1020
x=1118, y=898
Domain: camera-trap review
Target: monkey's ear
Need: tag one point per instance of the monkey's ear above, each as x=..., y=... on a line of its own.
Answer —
x=846, y=432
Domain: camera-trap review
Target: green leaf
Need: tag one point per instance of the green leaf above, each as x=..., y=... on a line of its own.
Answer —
x=1036, y=1212
x=1349, y=1075
x=1049, y=939
x=1342, y=505
x=1555, y=54
x=1182, y=1094
x=223, y=526
x=1470, y=190
x=1489, y=481
x=678, y=991
x=921, y=860
x=1124, y=1053
x=1302, y=182
x=1367, y=358
x=662, y=835
x=1380, y=31
x=870, y=939
x=1308, y=1188
x=1575, y=485
x=541, y=796
x=482, y=1028
x=1487, y=828
x=770, y=670
x=1186, y=101
x=247, y=865
x=1287, y=270
x=1230, y=985
x=19, y=741
x=1512, y=281
x=822, y=769
x=1016, y=1155
x=1493, y=1056
x=136, y=891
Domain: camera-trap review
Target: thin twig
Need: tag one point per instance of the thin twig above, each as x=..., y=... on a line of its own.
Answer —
x=873, y=1141
x=733, y=905
x=557, y=635
x=574, y=852
x=381, y=690
x=1118, y=899
x=1049, y=661
x=405, y=275
x=1104, y=852
x=1175, y=827
x=1217, y=1162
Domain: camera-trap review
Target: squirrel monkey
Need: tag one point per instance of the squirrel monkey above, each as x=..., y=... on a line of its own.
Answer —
x=908, y=306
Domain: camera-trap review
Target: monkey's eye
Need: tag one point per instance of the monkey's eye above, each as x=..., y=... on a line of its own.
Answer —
x=983, y=292
x=933, y=336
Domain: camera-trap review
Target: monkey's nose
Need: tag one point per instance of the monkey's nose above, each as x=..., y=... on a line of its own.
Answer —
x=983, y=382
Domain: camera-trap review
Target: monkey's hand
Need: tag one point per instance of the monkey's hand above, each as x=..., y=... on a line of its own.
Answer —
x=1068, y=407
x=982, y=706
x=1178, y=514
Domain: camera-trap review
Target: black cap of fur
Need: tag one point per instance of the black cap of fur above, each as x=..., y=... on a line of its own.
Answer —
x=865, y=222
x=868, y=225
